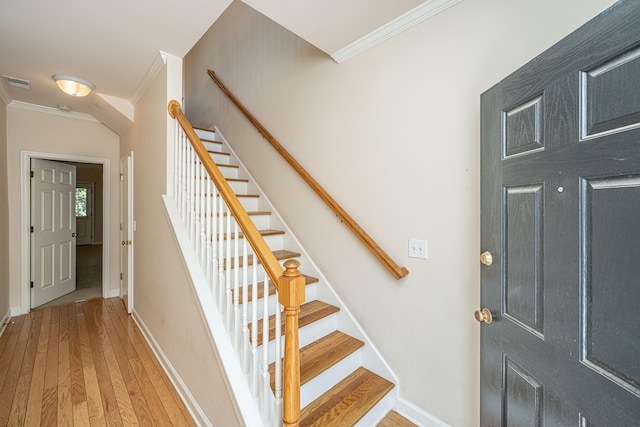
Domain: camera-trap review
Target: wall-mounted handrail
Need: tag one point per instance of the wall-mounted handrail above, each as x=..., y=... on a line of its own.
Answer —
x=289, y=282
x=397, y=271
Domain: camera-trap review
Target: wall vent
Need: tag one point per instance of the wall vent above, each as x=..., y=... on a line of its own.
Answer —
x=16, y=82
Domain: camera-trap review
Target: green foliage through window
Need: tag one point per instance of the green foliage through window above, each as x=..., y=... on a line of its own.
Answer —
x=81, y=202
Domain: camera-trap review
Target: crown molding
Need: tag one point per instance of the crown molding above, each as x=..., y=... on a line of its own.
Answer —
x=402, y=23
x=158, y=63
x=51, y=110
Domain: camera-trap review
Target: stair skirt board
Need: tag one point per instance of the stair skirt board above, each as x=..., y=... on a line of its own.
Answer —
x=234, y=377
x=367, y=356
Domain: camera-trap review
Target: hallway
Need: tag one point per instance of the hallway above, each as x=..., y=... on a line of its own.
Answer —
x=88, y=276
x=83, y=364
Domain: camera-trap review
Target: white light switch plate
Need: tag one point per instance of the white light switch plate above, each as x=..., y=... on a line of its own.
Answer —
x=417, y=248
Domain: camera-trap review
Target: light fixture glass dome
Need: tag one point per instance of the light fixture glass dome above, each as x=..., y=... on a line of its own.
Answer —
x=74, y=86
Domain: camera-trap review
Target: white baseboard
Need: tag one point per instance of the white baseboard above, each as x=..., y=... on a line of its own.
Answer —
x=112, y=293
x=17, y=311
x=190, y=402
x=418, y=415
x=3, y=322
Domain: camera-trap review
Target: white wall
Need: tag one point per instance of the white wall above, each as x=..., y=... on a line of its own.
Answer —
x=4, y=218
x=45, y=130
x=393, y=135
x=163, y=297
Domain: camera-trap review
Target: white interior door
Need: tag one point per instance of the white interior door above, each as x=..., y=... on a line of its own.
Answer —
x=126, y=231
x=84, y=213
x=53, y=221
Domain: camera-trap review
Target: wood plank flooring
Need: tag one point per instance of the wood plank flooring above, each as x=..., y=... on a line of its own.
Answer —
x=83, y=364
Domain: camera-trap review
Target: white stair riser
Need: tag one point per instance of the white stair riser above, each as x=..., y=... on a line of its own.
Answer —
x=309, y=293
x=213, y=146
x=378, y=412
x=239, y=187
x=308, y=334
x=323, y=382
x=228, y=172
x=207, y=134
x=261, y=222
x=220, y=159
x=275, y=243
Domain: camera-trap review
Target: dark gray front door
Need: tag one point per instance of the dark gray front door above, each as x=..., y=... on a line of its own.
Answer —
x=561, y=217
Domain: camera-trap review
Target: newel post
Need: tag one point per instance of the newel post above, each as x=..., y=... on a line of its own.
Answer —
x=291, y=296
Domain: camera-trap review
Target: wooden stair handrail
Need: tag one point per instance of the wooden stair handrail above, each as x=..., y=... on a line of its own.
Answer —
x=397, y=271
x=289, y=282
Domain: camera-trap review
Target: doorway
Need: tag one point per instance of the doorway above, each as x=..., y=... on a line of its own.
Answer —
x=101, y=231
x=88, y=213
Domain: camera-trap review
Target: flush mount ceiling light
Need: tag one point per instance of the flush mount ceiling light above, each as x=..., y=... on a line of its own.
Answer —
x=73, y=85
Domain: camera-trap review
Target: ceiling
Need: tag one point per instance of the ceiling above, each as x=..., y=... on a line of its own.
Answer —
x=116, y=44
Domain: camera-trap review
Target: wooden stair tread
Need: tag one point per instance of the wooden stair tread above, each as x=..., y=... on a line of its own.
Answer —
x=321, y=355
x=272, y=288
x=393, y=419
x=205, y=129
x=347, y=402
x=309, y=313
x=280, y=255
x=266, y=232
x=255, y=196
x=222, y=153
x=224, y=165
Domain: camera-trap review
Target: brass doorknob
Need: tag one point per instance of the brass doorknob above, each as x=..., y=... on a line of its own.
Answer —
x=74, y=234
x=128, y=242
x=486, y=258
x=124, y=243
x=483, y=315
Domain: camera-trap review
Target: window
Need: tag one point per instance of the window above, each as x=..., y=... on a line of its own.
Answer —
x=81, y=202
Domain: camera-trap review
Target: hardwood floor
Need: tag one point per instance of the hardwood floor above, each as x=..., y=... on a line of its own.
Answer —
x=83, y=364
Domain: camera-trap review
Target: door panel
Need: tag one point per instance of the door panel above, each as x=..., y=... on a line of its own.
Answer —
x=53, y=248
x=561, y=216
x=610, y=291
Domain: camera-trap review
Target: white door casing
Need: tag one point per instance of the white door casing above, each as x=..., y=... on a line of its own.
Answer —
x=53, y=222
x=126, y=230
x=24, y=304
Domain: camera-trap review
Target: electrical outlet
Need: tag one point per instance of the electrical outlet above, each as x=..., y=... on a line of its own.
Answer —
x=417, y=248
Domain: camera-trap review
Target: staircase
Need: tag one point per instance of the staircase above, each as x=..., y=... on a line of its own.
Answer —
x=344, y=381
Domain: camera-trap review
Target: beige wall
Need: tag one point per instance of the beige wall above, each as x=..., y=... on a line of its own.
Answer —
x=4, y=217
x=393, y=135
x=38, y=130
x=163, y=296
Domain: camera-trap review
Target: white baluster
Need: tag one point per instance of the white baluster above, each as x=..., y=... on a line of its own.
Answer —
x=206, y=259
x=176, y=150
x=277, y=418
x=266, y=383
x=183, y=183
x=255, y=357
x=214, y=255
x=197, y=198
x=190, y=195
x=245, y=308
x=180, y=190
x=221, y=255
x=228, y=297
x=204, y=197
x=236, y=288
